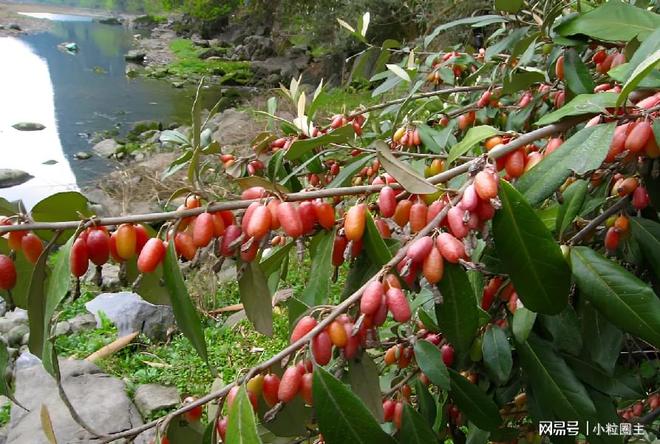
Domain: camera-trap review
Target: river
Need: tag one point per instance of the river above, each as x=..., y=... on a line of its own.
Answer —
x=73, y=95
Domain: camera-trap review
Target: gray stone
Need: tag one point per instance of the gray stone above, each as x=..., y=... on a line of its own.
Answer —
x=28, y=126
x=135, y=55
x=14, y=27
x=111, y=21
x=18, y=315
x=26, y=360
x=62, y=328
x=10, y=178
x=6, y=325
x=233, y=127
x=25, y=340
x=82, y=155
x=152, y=397
x=15, y=335
x=106, y=148
x=130, y=313
x=99, y=399
x=3, y=307
x=82, y=322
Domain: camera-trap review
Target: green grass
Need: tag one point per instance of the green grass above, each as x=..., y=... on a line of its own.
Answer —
x=338, y=100
x=188, y=63
x=4, y=414
x=176, y=363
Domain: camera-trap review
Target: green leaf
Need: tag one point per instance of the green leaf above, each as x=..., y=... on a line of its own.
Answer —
x=612, y=21
x=477, y=436
x=474, y=402
x=574, y=197
x=256, y=298
x=554, y=384
x=580, y=105
x=36, y=301
x=374, y=243
x=523, y=321
x=577, y=77
x=648, y=47
x=404, y=175
x=300, y=147
x=521, y=79
x=429, y=359
x=318, y=286
x=507, y=43
x=647, y=233
x=342, y=417
x=497, y=354
x=472, y=137
x=529, y=254
x=638, y=74
x=59, y=207
x=414, y=428
x=151, y=285
x=398, y=71
x=583, y=152
x=363, y=376
x=476, y=22
x=187, y=318
x=348, y=171
x=619, y=295
x=242, y=427
x=564, y=329
x=606, y=414
x=592, y=374
x=57, y=289
x=428, y=136
x=602, y=341
x=426, y=402
x=457, y=315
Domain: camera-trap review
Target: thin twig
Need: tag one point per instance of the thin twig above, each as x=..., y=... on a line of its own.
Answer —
x=403, y=382
x=596, y=221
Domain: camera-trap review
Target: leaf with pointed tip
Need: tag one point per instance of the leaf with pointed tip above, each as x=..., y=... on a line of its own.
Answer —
x=474, y=402
x=529, y=254
x=342, y=417
x=580, y=105
x=317, y=290
x=302, y=146
x=619, y=295
x=497, y=354
x=523, y=321
x=402, y=173
x=187, y=318
x=457, y=315
x=400, y=72
x=577, y=77
x=47, y=424
x=256, y=298
x=429, y=359
x=374, y=243
x=414, y=429
x=363, y=377
x=574, y=197
x=554, y=384
x=242, y=427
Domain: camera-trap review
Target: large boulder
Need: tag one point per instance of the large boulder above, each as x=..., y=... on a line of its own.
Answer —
x=135, y=56
x=99, y=399
x=233, y=127
x=106, y=147
x=130, y=313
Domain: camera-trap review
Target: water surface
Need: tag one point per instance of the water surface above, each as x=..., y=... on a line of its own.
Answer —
x=73, y=95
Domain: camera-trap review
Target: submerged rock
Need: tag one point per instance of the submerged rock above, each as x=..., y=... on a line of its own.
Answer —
x=11, y=178
x=82, y=155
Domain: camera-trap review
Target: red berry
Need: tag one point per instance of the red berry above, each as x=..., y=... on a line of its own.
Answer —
x=325, y=214
x=259, y=223
x=7, y=273
x=79, y=260
x=420, y=249
x=386, y=201
x=388, y=409
x=270, y=389
x=433, y=267
x=232, y=232
x=372, y=298
x=485, y=184
x=640, y=198
x=451, y=248
x=194, y=414
x=306, y=388
x=322, y=348
x=126, y=239
x=290, y=384
x=289, y=216
x=304, y=326
x=354, y=222
x=447, y=352
x=98, y=246
x=32, y=247
x=398, y=305
x=151, y=255
x=203, y=230
x=307, y=216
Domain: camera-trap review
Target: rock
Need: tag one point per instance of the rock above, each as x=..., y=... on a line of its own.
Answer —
x=198, y=41
x=62, y=328
x=130, y=313
x=82, y=322
x=213, y=52
x=3, y=307
x=50, y=162
x=10, y=178
x=24, y=341
x=151, y=397
x=143, y=126
x=69, y=46
x=106, y=148
x=285, y=67
x=135, y=55
x=82, y=155
x=14, y=27
x=98, y=398
x=6, y=325
x=178, y=84
x=18, y=315
x=132, y=70
x=15, y=335
x=111, y=21
x=233, y=127
x=26, y=360
x=28, y=126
